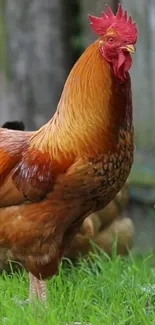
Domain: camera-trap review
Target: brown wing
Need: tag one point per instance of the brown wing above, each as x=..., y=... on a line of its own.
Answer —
x=24, y=173
x=33, y=174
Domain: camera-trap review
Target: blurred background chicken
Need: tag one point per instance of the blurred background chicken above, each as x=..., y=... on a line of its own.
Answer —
x=105, y=228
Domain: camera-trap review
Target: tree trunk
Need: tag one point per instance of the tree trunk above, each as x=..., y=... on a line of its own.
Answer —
x=37, y=57
x=143, y=73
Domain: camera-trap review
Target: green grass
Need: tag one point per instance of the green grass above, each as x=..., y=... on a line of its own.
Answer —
x=100, y=291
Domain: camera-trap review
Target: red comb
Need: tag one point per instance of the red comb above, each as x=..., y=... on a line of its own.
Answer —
x=118, y=21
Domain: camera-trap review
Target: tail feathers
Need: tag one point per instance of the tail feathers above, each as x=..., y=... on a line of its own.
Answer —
x=14, y=125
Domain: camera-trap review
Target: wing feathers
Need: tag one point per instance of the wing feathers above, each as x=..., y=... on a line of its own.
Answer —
x=33, y=174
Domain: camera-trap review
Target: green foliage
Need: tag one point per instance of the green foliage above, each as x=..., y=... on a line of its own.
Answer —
x=75, y=27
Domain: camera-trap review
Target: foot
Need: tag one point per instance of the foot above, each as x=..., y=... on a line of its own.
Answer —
x=37, y=289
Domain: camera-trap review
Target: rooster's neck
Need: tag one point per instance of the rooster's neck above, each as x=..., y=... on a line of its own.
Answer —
x=94, y=106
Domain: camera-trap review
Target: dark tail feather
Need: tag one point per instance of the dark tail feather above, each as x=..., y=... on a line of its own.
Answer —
x=14, y=125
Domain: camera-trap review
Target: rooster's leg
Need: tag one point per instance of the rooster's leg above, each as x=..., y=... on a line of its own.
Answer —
x=37, y=289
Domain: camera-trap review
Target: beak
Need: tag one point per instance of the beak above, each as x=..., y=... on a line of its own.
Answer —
x=130, y=48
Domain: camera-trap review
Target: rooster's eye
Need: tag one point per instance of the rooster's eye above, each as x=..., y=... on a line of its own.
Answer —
x=111, y=40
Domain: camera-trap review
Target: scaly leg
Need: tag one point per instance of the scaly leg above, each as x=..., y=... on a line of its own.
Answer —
x=37, y=289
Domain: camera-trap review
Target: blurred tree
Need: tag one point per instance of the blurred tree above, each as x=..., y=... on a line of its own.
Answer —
x=93, y=7
x=38, y=58
x=72, y=30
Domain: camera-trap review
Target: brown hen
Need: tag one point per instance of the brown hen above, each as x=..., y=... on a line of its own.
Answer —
x=105, y=228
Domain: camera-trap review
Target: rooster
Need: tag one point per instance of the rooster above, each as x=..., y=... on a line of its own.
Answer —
x=53, y=178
